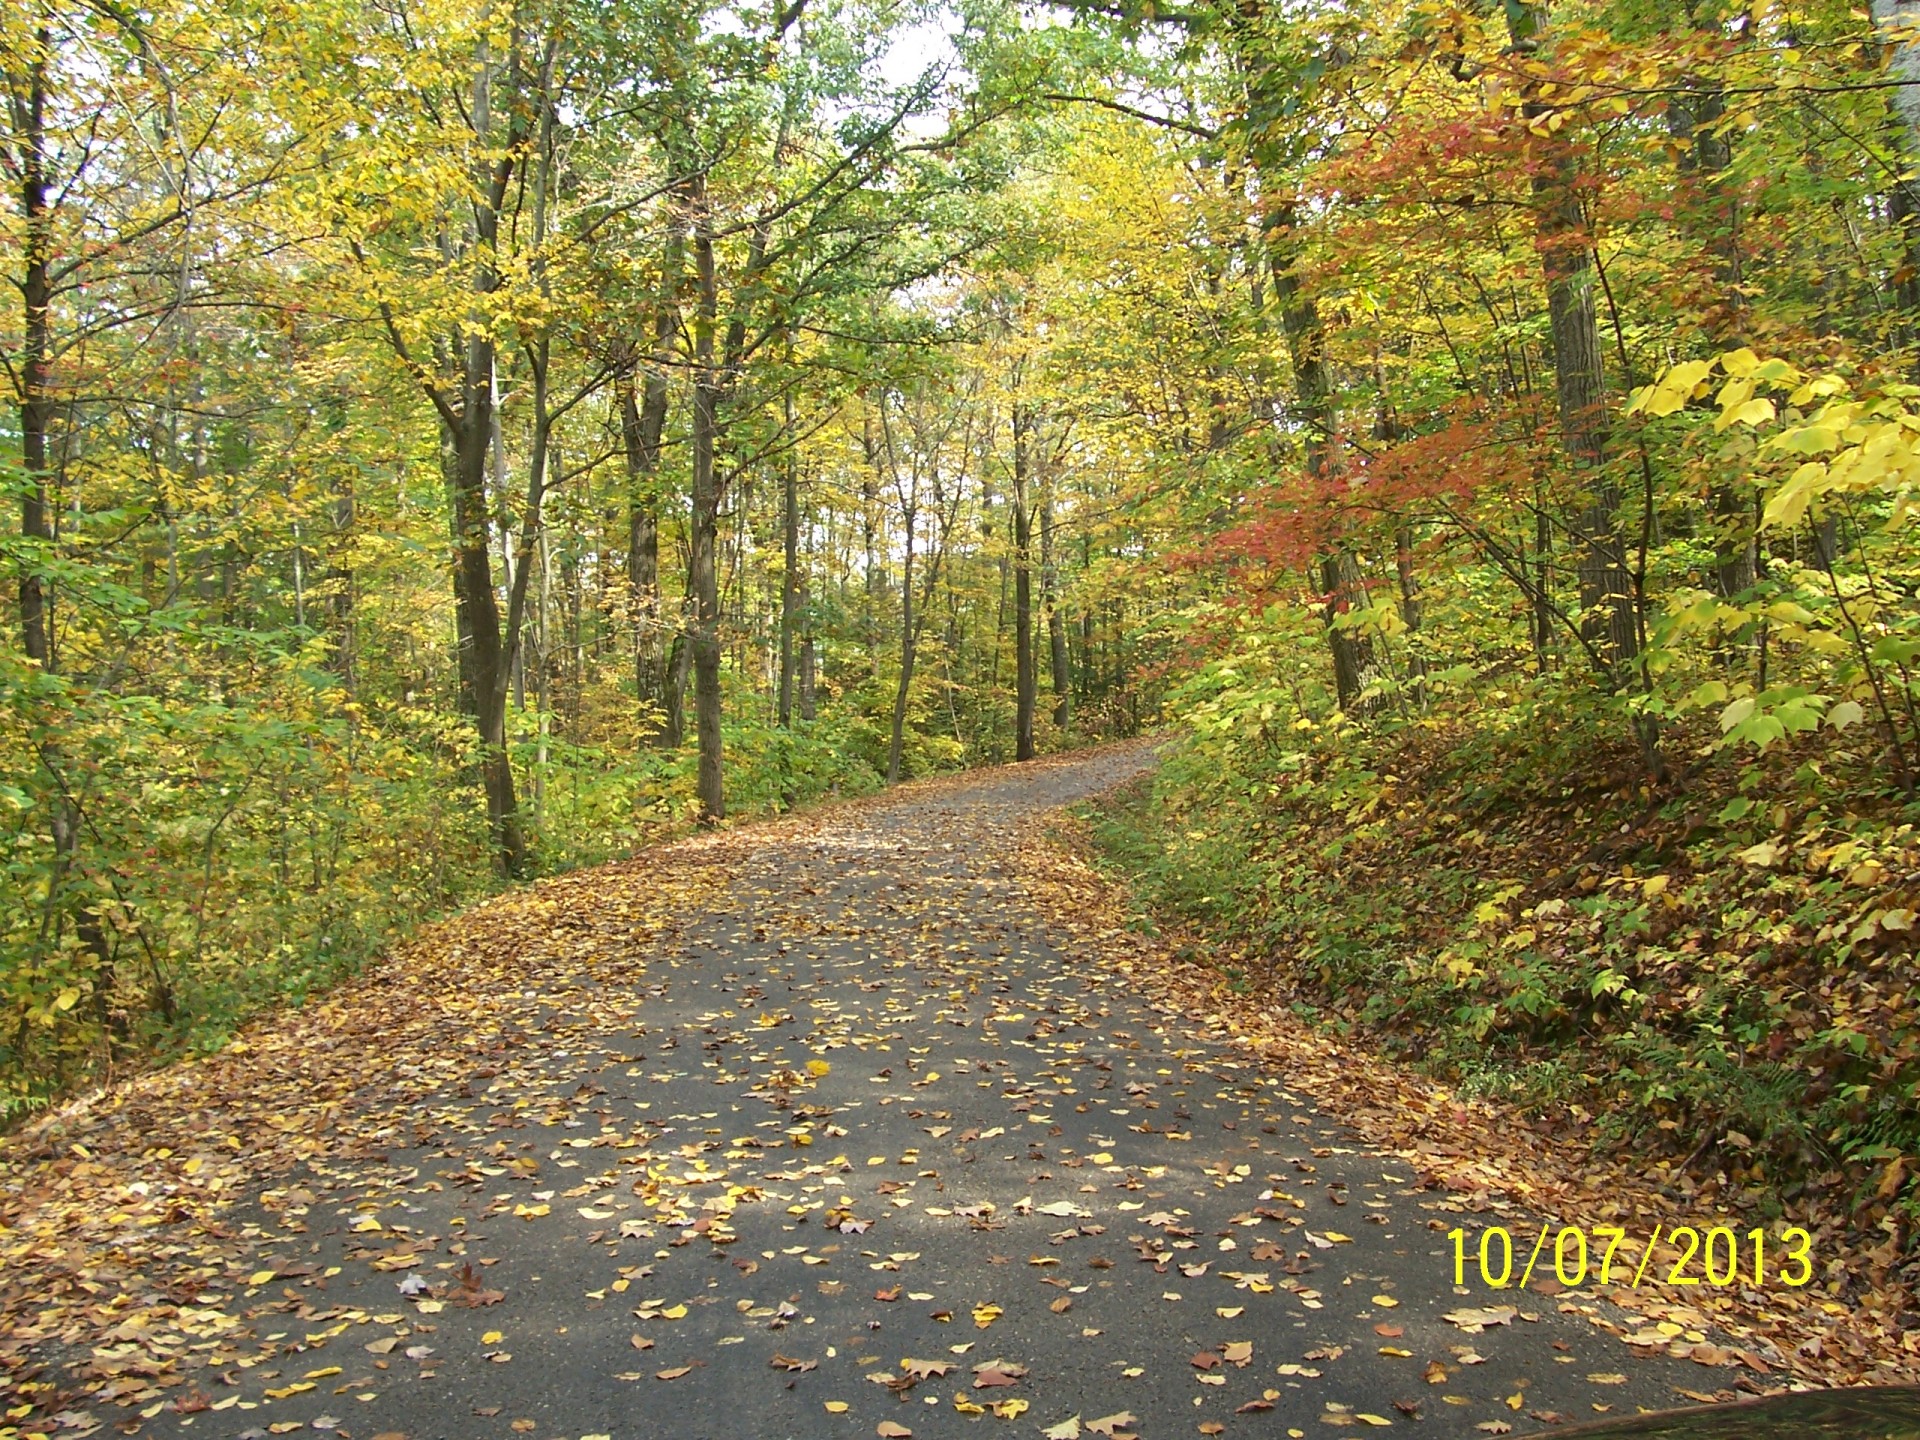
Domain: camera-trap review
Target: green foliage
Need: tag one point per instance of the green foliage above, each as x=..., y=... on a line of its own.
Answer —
x=1718, y=970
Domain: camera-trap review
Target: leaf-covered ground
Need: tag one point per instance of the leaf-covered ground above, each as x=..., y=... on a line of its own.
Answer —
x=871, y=1122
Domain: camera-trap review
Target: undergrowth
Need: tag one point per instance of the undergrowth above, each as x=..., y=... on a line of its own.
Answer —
x=1718, y=970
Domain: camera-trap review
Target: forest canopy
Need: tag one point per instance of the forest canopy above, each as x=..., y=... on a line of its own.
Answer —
x=452, y=441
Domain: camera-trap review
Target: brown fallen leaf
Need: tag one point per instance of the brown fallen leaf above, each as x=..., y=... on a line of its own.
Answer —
x=791, y=1365
x=640, y=1342
x=1237, y=1352
x=1114, y=1427
x=888, y=1296
x=1389, y=1332
x=926, y=1369
x=888, y=1430
x=673, y=1374
x=1254, y=1407
x=1062, y=1305
x=1205, y=1360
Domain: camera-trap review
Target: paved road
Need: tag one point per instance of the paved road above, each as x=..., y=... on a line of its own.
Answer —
x=877, y=1147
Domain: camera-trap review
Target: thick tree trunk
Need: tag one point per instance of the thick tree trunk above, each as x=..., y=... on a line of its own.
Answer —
x=704, y=633
x=473, y=559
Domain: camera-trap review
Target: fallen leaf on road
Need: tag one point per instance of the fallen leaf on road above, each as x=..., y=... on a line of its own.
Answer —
x=1474, y=1321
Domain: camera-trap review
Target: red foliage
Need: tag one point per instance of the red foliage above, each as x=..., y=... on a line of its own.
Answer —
x=1299, y=519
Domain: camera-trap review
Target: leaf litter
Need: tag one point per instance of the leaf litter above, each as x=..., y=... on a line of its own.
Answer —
x=386, y=1119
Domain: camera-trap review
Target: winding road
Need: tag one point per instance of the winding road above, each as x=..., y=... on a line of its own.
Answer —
x=854, y=1141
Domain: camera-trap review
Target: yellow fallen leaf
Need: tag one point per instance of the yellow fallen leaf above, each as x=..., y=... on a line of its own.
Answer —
x=492, y=1337
x=322, y=1373
x=1010, y=1409
x=261, y=1277
x=818, y=1068
x=985, y=1315
x=835, y=1407
x=1385, y=1302
x=674, y=1312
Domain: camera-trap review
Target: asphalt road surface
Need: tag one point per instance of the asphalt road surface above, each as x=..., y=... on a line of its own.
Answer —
x=879, y=1146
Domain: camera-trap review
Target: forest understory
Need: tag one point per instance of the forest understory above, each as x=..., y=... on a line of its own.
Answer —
x=1699, y=985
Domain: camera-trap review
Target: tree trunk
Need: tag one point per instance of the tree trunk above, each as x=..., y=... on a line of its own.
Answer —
x=1609, y=605
x=1313, y=401
x=790, y=577
x=340, y=583
x=908, y=636
x=643, y=419
x=1904, y=200
x=1059, y=662
x=704, y=633
x=474, y=560
x=809, y=668
x=1411, y=612
x=1025, y=683
x=36, y=353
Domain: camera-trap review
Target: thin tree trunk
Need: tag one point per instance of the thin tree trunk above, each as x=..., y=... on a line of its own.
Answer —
x=704, y=633
x=1904, y=200
x=790, y=576
x=1609, y=606
x=36, y=399
x=908, y=636
x=1313, y=399
x=1025, y=684
x=1411, y=612
x=340, y=582
x=1059, y=662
